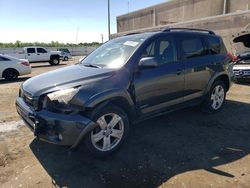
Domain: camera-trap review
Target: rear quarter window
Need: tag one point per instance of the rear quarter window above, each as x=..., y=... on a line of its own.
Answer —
x=214, y=45
x=4, y=59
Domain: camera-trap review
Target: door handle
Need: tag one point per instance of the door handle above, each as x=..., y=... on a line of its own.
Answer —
x=178, y=72
x=28, y=54
x=38, y=54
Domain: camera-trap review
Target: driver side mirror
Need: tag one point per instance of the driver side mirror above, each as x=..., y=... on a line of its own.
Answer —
x=148, y=62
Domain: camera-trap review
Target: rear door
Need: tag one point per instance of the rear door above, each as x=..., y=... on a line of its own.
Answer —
x=160, y=87
x=197, y=63
x=31, y=54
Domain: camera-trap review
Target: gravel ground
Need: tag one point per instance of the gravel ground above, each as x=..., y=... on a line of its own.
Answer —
x=182, y=149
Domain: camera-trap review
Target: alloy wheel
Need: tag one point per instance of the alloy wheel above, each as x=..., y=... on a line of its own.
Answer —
x=217, y=97
x=109, y=132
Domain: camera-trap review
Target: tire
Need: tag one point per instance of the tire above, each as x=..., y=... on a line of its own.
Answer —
x=10, y=74
x=215, y=99
x=107, y=138
x=65, y=58
x=55, y=61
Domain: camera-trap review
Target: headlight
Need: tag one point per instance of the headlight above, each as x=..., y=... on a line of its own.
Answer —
x=63, y=96
x=59, y=101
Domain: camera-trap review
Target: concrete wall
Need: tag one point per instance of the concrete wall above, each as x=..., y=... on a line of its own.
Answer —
x=177, y=11
x=238, y=5
x=223, y=25
x=78, y=51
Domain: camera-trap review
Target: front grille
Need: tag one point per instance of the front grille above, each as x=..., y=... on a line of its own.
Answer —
x=241, y=72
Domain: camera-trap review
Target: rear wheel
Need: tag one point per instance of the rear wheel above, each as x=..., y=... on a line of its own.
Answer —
x=111, y=131
x=10, y=74
x=215, y=98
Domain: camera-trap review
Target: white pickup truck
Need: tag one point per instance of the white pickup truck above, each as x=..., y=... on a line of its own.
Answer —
x=38, y=54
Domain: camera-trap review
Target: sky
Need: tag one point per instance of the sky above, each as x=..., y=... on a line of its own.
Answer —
x=61, y=20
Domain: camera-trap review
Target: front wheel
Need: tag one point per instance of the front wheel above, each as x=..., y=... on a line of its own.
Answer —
x=55, y=61
x=111, y=131
x=216, y=97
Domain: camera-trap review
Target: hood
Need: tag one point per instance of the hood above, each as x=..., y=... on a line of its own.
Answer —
x=244, y=37
x=63, y=78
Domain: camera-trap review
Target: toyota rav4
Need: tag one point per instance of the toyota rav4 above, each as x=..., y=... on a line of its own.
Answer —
x=126, y=80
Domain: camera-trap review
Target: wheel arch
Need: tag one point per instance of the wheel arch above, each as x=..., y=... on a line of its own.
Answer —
x=117, y=98
x=223, y=77
x=4, y=72
x=54, y=56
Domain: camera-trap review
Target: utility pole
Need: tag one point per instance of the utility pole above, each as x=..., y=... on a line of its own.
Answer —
x=109, y=18
x=128, y=6
x=102, y=38
x=225, y=7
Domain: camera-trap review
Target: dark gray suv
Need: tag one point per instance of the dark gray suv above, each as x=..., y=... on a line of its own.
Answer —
x=126, y=80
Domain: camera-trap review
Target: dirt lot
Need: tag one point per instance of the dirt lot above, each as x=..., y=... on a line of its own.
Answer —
x=183, y=149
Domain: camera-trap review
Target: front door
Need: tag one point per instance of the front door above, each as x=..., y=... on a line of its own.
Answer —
x=162, y=86
x=42, y=54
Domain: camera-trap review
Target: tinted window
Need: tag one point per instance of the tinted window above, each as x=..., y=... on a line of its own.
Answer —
x=31, y=50
x=214, y=45
x=166, y=51
x=63, y=50
x=192, y=47
x=41, y=50
x=149, y=51
x=163, y=49
x=4, y=59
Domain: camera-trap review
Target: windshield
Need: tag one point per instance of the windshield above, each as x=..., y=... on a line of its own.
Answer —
x=115, y=53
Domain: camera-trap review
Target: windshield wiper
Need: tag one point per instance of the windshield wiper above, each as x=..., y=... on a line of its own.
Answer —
x=91, y=65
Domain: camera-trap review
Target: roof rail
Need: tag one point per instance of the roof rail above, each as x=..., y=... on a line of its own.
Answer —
x=188, y=29
x=132, y=33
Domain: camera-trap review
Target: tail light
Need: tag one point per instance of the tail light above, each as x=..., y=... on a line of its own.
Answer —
x=232, y=57
x=25, y=63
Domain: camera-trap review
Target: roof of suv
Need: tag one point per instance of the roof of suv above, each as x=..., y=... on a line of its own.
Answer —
x=179, y=31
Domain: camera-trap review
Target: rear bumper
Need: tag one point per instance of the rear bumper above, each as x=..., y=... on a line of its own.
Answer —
x=54, y=128
x=24, y=71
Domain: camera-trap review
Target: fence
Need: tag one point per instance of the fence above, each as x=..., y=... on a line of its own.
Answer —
x=75, y=51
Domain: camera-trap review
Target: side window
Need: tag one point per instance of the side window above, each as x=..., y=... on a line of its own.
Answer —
x=192, y=47
x=41, y=50
x=167, y=52
x=4, y=59
x=162, y=49
x=214, y=46
x=149, y=51
x=31, y=50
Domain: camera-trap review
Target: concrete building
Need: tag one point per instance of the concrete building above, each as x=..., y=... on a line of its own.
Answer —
x=225, y=17
x=176, y=11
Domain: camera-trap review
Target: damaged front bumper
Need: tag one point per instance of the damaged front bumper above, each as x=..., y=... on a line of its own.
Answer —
x=61, y=129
